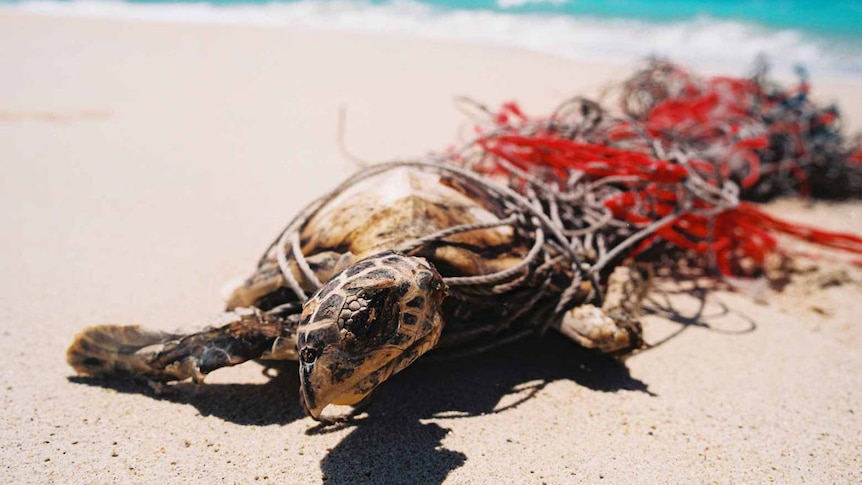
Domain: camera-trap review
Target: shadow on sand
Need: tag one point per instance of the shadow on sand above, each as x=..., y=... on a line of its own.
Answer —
x=389, y=438
x=691, y=304
x=273, y=402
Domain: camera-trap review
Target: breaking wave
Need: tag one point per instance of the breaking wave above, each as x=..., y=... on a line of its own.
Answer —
x=699, y=42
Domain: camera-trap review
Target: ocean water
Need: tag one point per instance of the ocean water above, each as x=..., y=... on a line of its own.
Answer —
x=824, y=36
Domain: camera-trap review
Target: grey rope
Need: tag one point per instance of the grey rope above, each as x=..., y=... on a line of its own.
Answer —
x=406, y=248
x=281, y=244
x=302, y=262
x=504, y=275
x=285, y=269
x=569, y=222
x=540, y=220
x=631, y=240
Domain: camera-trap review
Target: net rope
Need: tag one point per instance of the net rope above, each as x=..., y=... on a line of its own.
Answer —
x=590, y=189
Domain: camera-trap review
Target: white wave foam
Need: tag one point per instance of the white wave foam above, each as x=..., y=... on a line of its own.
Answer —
x=700, y=42
x=522, y=3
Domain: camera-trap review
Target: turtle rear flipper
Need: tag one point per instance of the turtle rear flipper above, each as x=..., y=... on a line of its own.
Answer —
x=612, y=333
x=132, y=351
x=615, y=328
x=114, y=350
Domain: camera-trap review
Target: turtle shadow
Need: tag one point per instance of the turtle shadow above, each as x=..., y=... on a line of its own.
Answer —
x=274, y=402
x=391, y=441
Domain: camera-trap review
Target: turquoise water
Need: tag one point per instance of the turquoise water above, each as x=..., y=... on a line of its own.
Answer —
x=832, y=18
x=825, y=36
x=837, y=18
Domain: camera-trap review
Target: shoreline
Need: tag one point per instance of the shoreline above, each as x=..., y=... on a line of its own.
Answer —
x=145, y=164
x=714, y=45
x=843, y=90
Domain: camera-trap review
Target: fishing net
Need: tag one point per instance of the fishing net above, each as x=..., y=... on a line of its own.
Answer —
x=671, y=177
x=769, y=140
x=669, y=180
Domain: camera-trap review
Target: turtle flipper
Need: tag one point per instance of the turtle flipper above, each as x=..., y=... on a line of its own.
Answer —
x=131, y=351
x=609, y=333
x=615, y=328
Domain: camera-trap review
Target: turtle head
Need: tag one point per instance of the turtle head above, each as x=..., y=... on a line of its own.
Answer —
x=365, y=324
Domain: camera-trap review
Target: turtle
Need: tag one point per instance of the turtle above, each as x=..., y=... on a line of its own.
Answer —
x=401, y=260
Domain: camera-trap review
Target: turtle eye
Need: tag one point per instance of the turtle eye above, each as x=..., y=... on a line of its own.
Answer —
x=371, y=317
x=308, y=355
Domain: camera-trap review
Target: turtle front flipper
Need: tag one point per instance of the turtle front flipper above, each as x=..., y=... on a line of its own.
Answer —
x=135, y=352
x=615, y=328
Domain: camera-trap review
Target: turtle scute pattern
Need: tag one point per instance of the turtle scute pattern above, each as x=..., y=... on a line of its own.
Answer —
x=365, y=324
x=380, y=306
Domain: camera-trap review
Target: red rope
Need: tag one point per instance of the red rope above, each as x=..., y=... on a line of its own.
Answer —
x=740, y=238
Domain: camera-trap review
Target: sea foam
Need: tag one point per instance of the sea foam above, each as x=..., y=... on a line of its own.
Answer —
x=701, y=42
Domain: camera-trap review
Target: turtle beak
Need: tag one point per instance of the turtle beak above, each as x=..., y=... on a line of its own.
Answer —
x=340, y=379
x=306, y=391
x=379, y=321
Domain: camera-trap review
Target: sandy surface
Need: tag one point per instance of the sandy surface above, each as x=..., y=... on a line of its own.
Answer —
x=142, y=166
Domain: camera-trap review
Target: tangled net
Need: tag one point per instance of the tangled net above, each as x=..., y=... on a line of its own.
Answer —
x=665, y=182
x=771, y=141
x=668, y=178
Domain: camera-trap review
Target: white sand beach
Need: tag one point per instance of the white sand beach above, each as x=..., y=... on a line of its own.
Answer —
x=145, y=165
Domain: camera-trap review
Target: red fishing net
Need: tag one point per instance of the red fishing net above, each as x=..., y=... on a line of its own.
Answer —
x=671, y=173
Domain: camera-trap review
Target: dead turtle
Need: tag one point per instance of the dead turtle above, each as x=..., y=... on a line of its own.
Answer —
x=400, y=259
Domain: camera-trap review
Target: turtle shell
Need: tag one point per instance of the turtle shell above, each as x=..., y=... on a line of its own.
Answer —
x=391, y=210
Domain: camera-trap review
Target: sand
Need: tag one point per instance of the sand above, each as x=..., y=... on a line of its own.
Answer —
x=145, y=165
